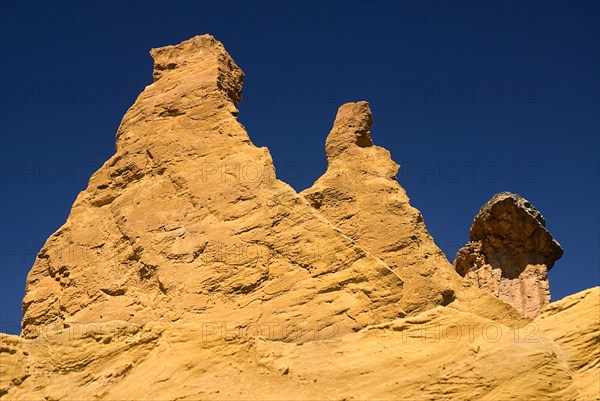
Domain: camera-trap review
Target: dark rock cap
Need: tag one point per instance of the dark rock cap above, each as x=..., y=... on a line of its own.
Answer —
x=509, y=223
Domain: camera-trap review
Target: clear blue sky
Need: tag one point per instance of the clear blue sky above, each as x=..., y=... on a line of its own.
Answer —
x=470, y=98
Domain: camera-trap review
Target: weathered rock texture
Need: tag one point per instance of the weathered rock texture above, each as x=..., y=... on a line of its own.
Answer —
x=187, y=221
x=574, y=324
x=187, y=271
x=510, y=253
x=440, y=354
x=360, y=195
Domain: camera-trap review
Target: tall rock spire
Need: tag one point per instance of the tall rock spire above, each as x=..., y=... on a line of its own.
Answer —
x=188, y=222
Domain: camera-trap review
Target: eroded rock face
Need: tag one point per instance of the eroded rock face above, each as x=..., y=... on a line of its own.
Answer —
x=360, y=195
x=187, y=271
x=438, y=354
x=187, y=222
x=510, y=252
x=574, y=324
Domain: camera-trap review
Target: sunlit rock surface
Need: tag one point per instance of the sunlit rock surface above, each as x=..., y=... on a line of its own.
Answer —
x=187, y=271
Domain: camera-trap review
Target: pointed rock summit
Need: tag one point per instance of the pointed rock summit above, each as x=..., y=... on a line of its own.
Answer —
x=359, y=193
x=510, y=253
x=186, y=222
x=352, y=128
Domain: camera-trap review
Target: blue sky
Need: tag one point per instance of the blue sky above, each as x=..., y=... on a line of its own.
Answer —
x=471, y=98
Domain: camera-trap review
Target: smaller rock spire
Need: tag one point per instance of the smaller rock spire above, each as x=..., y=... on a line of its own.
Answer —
x=351, y=129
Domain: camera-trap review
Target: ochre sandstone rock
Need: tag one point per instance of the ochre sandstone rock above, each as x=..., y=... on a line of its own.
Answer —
x=187, y=271
x=360, y=195
x=574, y=324
x=187, y=221
x=510, y=253
x=439, y=354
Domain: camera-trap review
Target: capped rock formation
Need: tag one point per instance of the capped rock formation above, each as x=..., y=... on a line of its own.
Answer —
x=510, y=253
x=187, y=271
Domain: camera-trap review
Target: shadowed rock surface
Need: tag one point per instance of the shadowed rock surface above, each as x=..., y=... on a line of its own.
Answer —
x=510, y=253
